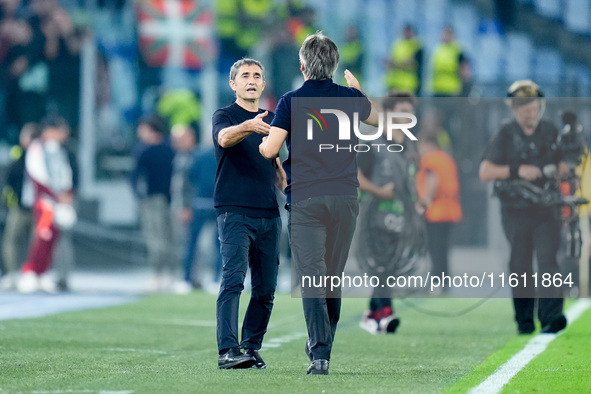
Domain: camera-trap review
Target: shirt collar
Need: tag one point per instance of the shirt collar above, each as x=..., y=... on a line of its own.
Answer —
x=318, y=83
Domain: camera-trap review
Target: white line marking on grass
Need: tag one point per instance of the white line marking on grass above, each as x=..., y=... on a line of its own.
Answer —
x=278, y=341
x=25, y=306
x=83, y=391
x=495, y=382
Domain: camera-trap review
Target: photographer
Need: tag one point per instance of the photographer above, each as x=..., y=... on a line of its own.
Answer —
x=525, y=149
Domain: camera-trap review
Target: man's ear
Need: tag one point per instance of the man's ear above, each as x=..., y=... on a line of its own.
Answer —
x=302, y=68
x=232, y=85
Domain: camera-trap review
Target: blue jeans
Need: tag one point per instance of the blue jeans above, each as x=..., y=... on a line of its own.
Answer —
x=200, y=218
x=246, y=242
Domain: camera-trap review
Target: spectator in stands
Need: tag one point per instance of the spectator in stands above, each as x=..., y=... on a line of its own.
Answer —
x=451, y=70
x=24, y=73
x=151, y=180
x=405, y=65
x=63, y=43
x=9, y=13
x=19, y=222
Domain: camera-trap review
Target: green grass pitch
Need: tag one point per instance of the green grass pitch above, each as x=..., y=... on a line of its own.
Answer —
x=166, y=344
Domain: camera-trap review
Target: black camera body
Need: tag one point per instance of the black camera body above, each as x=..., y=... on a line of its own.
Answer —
x=570, y=147
x=570, y=142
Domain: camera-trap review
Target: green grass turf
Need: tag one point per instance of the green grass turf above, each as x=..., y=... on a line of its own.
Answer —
x=564, y=367
x=166, y=344
x=577, y=336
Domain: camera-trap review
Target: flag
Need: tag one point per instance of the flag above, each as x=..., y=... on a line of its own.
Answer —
x=176, y=33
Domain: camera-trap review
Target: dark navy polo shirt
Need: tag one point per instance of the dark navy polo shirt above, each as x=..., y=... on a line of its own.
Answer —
x=244, y=180
x=311, y=172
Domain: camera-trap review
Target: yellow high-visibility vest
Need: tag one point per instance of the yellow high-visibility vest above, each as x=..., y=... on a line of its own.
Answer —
x=446, y=67
x=404, y=79
x=227, y=25
x=251, y=30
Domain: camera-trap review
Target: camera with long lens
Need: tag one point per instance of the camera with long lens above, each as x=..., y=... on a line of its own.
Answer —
x=570, y=142
x=570, y=146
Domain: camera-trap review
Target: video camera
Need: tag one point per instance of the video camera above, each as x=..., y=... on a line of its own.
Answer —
x=570, y=142
x=570, y=146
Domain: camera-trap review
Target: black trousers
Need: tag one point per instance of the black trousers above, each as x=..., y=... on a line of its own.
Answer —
x=253, y=243
x=321, y=230
x=528, y=230
x=438, y=234
x=381, y=297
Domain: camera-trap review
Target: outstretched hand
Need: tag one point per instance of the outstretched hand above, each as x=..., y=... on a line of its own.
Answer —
x=351, y=80
x=258, y=125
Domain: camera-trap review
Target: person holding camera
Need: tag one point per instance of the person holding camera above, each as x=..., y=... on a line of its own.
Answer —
x=525, y=150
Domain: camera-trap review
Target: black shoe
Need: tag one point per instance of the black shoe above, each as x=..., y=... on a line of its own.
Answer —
x=62, y=286
x=389, y=324
x=235, y=359
x=318, y=367
x=555, y=325
x=526, y=328
x=308, y=350
x=259, y=363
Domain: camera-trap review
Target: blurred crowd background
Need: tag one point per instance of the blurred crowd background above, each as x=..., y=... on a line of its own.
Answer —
x=104, y=64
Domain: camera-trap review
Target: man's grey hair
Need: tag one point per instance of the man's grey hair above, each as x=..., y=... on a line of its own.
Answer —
x=245, y=61
x=320, y=56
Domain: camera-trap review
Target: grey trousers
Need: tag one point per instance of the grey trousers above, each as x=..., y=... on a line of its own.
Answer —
x=321, y=230
x=17, y=236
x=156, y=220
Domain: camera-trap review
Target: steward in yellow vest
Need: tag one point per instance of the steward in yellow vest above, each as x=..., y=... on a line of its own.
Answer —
x=450, y=66
x=406, y=63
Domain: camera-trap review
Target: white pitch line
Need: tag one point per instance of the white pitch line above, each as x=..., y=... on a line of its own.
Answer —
x=279, y=341
x=495, y=382
x=83, y=391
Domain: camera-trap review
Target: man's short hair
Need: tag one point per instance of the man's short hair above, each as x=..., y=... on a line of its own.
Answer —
x=320, y=57
x=54, y=121
x=155, y=122
x=245, y=61
x=395, y=98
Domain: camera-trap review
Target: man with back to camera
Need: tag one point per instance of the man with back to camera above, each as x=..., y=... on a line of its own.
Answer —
x=248, y=217
x=322, y=199
x=523, y=149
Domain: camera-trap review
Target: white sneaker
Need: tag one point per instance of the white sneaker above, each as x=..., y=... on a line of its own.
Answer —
x=369, y=324
x=181, y=287
x=8, y=282
x=156, y=285
x=28, y=283
x=47, y=284
x=212, y=287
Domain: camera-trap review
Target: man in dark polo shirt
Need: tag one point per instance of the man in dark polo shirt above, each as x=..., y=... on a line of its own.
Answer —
x=248, y=217
x=321, y=183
